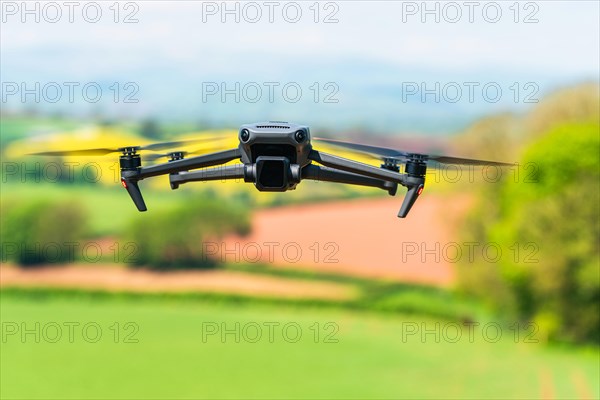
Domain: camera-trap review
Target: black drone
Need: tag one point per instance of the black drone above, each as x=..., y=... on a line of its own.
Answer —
x=276, y=156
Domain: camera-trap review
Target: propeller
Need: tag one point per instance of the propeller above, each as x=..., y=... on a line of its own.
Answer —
x=132, y=149
x=385, y=153
x=179, y=154
x=416, y=165
x=171, y=154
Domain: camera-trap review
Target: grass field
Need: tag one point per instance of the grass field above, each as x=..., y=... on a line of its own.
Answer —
x=358, y=355
x=107, y=207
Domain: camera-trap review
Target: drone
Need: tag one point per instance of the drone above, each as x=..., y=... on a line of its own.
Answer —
x=276, y=156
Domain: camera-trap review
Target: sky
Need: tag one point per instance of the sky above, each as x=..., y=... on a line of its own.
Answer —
x=369, y=51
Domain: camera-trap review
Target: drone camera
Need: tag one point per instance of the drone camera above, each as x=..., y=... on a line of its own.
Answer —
x=272, y=173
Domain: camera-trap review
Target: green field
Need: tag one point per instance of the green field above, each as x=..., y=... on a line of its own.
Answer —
x=175, y=357
x=109, y=208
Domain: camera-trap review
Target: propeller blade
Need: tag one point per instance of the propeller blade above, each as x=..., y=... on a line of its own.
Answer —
x=154, y=157
x=176, y=143
x=365, y=148
x=467, y=161
x=80, y=152
x=105, y=151
x=402, y=156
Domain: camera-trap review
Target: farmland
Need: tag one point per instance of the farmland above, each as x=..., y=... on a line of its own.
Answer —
x=168, y=351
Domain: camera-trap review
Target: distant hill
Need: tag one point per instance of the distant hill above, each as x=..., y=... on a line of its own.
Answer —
x=372, y=96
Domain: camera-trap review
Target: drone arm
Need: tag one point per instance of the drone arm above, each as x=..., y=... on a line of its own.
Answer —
x=316, y=173
x=413, y=183
x=203, y=161
x=359, y=168
x=210, y=174
x=131, y=176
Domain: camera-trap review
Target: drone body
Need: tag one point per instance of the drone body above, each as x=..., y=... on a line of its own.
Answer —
x=274, y=153
x=276, y=157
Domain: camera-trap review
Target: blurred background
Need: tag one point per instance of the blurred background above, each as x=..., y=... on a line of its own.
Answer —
x=490, y=288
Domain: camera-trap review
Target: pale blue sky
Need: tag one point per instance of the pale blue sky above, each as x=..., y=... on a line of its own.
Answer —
x=565, y=40
x=178, y=44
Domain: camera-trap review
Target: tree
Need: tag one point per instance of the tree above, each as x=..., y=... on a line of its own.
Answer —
x=177, y=238
x=551, y=224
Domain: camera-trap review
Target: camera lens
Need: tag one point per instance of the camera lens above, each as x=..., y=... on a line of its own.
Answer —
x=245, y=135
x=300, y=136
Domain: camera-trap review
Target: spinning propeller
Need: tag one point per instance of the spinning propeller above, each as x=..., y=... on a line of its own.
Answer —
x=385, y=154
x=415, y=165
x=178, y=155
x=130, y=161
x=124, y=150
